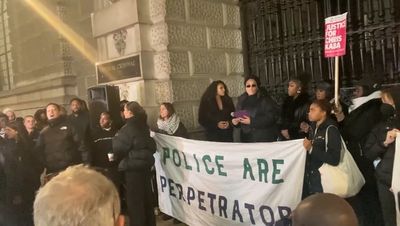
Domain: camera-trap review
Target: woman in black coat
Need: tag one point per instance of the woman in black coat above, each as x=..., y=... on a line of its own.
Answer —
x=380, y=147
x=323, y=128
x=294, y=119
x=355, y=126
x=21, y=175
x=258, y=120
x=215, y=112
x=135, y=148
x=169, y=122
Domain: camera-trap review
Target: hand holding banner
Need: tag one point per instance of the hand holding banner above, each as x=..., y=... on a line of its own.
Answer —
x=216, y=184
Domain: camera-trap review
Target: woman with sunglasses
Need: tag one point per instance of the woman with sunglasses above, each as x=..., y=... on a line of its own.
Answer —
x=256, y=114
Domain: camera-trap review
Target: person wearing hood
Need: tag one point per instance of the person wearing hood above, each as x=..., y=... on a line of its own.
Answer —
x=294, y=120
x=363, y=116
x=258, y=120
x=59, y=144
x=380, y=147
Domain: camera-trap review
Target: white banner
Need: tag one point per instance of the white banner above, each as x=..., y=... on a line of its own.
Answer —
x=216, y=184
x=396, y=176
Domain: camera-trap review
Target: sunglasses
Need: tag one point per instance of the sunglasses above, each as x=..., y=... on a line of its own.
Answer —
x=248, y=86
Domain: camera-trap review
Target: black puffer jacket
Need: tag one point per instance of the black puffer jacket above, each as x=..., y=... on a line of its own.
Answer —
x=375, y=149
x=59, y=146
x=20, y=171
x=355, y=130
x=264, y=114
x=358, y=124
x=134, y=146
x=294, y=112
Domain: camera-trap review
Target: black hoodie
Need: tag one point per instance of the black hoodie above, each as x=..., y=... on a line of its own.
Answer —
x=374, y=145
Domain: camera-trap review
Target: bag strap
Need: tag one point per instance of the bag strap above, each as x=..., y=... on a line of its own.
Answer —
x=326, y=137
x=342, y=143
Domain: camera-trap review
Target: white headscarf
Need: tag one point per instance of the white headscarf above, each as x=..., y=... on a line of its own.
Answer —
x=357, y=102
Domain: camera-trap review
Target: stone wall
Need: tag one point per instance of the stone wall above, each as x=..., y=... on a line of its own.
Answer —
x=204, y=44
x=46, y=68
x=183, y=46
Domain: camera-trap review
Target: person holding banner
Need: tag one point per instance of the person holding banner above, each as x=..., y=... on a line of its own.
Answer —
x=215, y=111
x=380, y=146
x=135, y=148
x=256, y=115
x=320, y=152
x=170, y=123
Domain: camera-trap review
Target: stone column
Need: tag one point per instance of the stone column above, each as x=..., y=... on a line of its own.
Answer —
x=183, y=44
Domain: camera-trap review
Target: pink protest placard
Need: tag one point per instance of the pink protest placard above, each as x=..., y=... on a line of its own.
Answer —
x=335, y=35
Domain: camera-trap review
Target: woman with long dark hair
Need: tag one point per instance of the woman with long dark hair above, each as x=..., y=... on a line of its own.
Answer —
x=259, y=114
x=215, y=112
x=135, y=148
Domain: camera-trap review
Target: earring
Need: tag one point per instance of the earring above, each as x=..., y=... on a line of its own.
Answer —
x=298, y=91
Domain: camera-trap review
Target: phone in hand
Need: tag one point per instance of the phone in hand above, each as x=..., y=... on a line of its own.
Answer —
x=240, y=114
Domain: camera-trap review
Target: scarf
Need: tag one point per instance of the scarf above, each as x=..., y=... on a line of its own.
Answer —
x=170, y=125
x=357, y=102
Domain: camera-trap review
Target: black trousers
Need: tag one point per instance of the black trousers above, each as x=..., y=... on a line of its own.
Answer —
x=140, y=198
x=388, y=204
x=366, y=203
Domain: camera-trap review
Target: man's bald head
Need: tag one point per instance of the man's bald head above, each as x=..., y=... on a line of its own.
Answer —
x=324, y=209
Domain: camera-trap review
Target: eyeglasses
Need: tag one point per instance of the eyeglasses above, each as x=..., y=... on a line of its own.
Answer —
x=248, y=86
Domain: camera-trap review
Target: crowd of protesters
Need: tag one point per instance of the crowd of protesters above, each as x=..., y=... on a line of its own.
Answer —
x=36, y=148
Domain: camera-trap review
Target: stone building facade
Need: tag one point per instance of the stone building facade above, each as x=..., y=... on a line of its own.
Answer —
x=42, y=66
x=182, y=44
